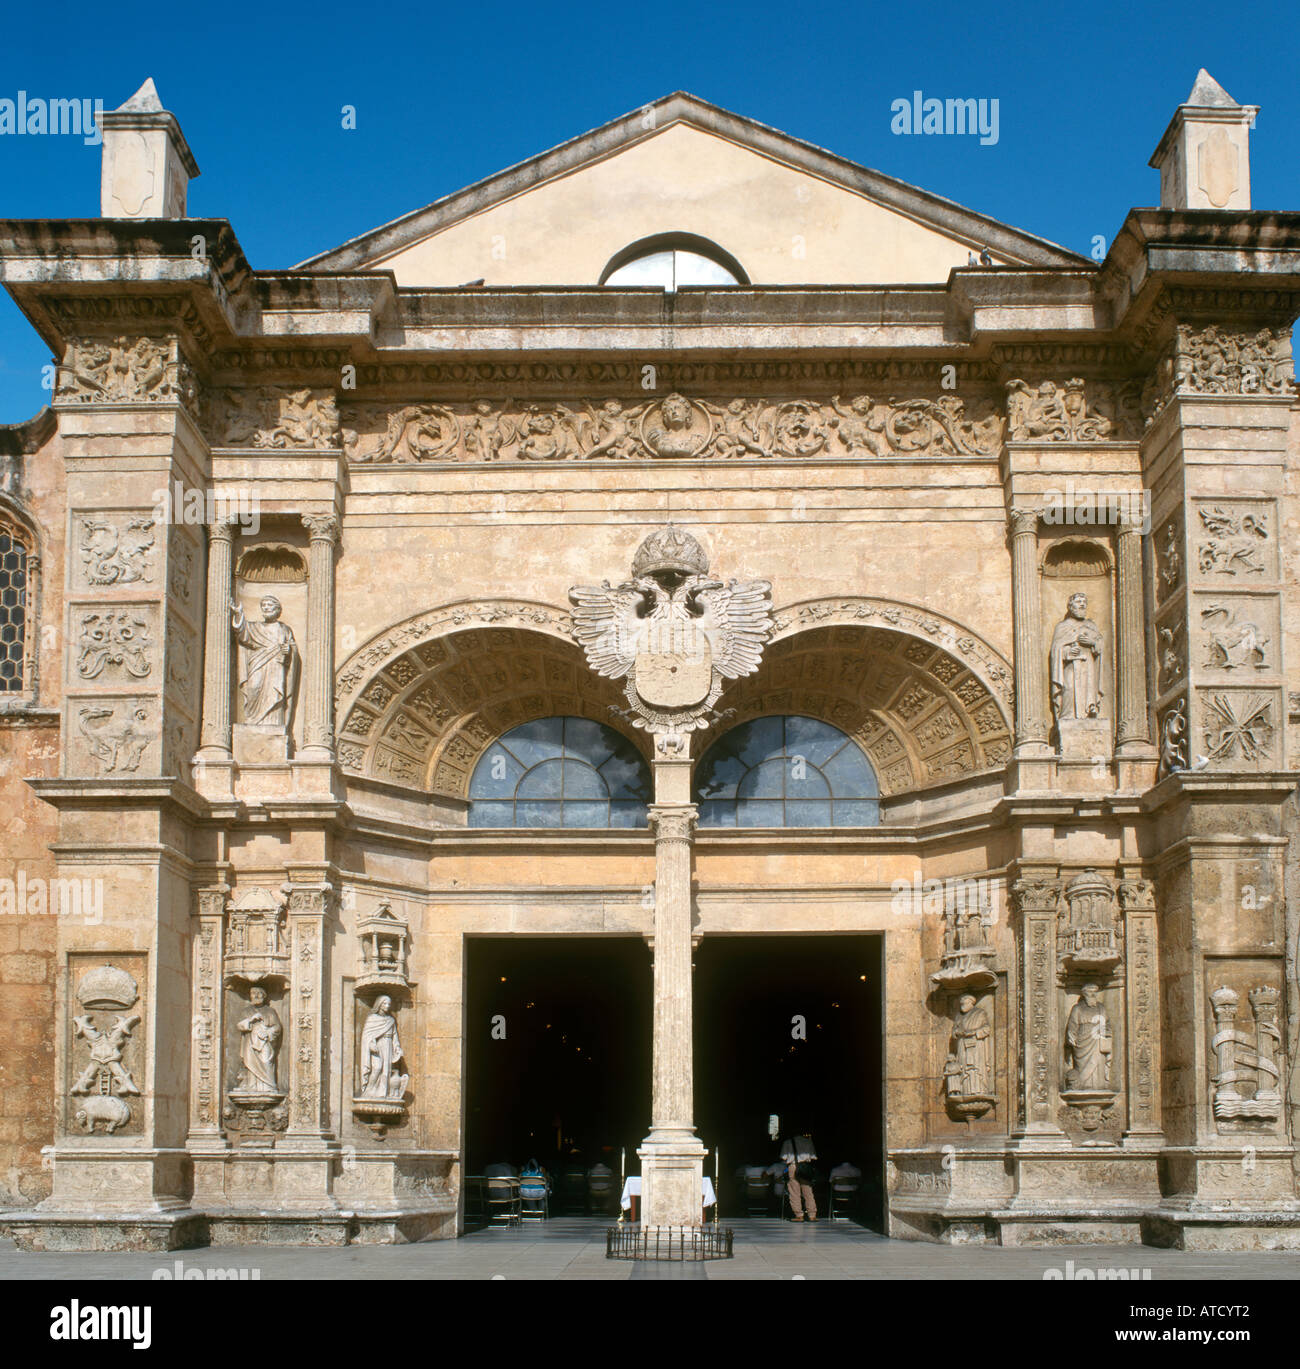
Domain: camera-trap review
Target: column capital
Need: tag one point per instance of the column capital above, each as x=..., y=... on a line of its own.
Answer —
x=221, y=530
x=673, y=823
x=1023, y=520
x=323, y=527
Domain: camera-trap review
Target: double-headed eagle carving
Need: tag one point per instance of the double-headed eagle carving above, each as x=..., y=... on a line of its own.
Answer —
x=671, y=633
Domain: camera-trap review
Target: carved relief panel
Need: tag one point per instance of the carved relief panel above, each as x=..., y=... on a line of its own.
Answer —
x=106, y=1044
x=1246, y=1065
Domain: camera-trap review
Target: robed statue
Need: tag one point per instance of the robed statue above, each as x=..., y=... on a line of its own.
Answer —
x=381, y=1054
x=1088, y=1044
x=972, y=1039
x=271, y=670
x=261, y=1032
x=1076, y=663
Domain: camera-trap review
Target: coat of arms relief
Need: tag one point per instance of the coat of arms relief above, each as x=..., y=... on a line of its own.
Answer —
x=672, y=634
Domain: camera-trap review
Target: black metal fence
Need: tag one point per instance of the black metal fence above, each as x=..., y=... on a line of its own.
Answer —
x=668, y=1243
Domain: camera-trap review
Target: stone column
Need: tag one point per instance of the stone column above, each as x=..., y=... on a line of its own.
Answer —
x=1134, y=729
x=1031, y=665
x=1142, y=993
x=672, y=1157
x=1037, y=895
x=218, y=645
x=318, y=674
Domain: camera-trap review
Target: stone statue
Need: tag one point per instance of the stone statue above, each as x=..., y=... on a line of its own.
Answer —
x=1088, y=1044
x=1076, y=662
x=973, y=1041
x=271, y=676
x=381, y=1053
x=262, y=1033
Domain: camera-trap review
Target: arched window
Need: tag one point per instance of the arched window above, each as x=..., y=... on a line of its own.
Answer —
x=560, y=772
x=672, y=260
x=15, y=551
x=786, y=772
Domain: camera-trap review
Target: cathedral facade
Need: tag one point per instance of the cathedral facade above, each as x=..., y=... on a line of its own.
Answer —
x=685, y=534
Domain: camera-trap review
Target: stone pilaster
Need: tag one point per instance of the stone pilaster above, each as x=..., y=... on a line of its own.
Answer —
x=318, y=723
x=218, y=646
x=1031, y=673
x=207, y=1027
x=1142, y=1002
x=305, y=1034
x=1036, y=896
x=1134, y=730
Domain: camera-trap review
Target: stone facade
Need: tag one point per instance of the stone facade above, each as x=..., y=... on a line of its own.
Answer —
x=1029, y=533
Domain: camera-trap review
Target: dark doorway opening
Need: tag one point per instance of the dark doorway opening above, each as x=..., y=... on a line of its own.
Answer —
x=557, y=1051
x=792, y=1026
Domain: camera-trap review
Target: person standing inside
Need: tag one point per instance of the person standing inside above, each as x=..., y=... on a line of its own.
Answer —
x=798, y=1153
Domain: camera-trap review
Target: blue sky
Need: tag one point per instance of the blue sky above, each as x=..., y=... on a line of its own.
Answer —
x=448, y=94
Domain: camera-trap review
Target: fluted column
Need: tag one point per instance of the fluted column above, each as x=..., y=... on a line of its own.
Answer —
x=318, y=721
x=1130, y=640
x=672, y=1103
x=218, y=646
x=1031, y=672
x=672, y=1157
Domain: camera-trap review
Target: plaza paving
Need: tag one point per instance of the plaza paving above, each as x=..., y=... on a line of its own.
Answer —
x=574, y=1248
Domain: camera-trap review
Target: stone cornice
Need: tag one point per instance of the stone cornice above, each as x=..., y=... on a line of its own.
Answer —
x=102, y=277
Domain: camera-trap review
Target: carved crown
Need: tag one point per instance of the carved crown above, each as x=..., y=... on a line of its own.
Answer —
x=107, y=987
x=670, y=549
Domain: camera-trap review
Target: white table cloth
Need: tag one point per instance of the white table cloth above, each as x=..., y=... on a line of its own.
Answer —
x=633, y=1186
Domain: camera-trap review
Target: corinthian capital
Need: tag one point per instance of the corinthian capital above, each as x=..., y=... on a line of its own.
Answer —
x=323, y=527
x=672, y=823
x=1023, y=520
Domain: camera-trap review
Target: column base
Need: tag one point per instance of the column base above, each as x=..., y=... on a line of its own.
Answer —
x=672, y=1179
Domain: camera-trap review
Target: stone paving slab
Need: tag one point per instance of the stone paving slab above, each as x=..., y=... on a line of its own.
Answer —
x=574, y=1248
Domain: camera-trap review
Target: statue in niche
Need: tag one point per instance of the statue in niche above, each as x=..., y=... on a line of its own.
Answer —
x=1088, y=1045
x=381, y=1054
x=262, y=1032
x=972, y=1051
x=1076, y=663
x=271, y=676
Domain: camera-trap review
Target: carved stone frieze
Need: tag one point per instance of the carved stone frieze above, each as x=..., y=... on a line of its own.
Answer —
x=674, y=427
x=1217, y=361
x=1235, y=540
x=1174, y=754
x=1245, y=1074
x=1171, y=661
x=116, y=549
x=106, y=1055
x=115, y=643
x=1233, y=641
x=267, y=417
x=1238, y=726
x=1073, y=412
x=124, y=370
x=115, y=736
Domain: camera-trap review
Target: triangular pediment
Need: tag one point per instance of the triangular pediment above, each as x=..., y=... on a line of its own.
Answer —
x=788, y=212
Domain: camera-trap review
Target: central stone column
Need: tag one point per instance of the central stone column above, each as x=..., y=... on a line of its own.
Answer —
x=672, y=1156
x=1031, y=678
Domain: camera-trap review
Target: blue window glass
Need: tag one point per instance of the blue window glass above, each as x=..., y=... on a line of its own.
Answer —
x=786, y=772
x=560, y=772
